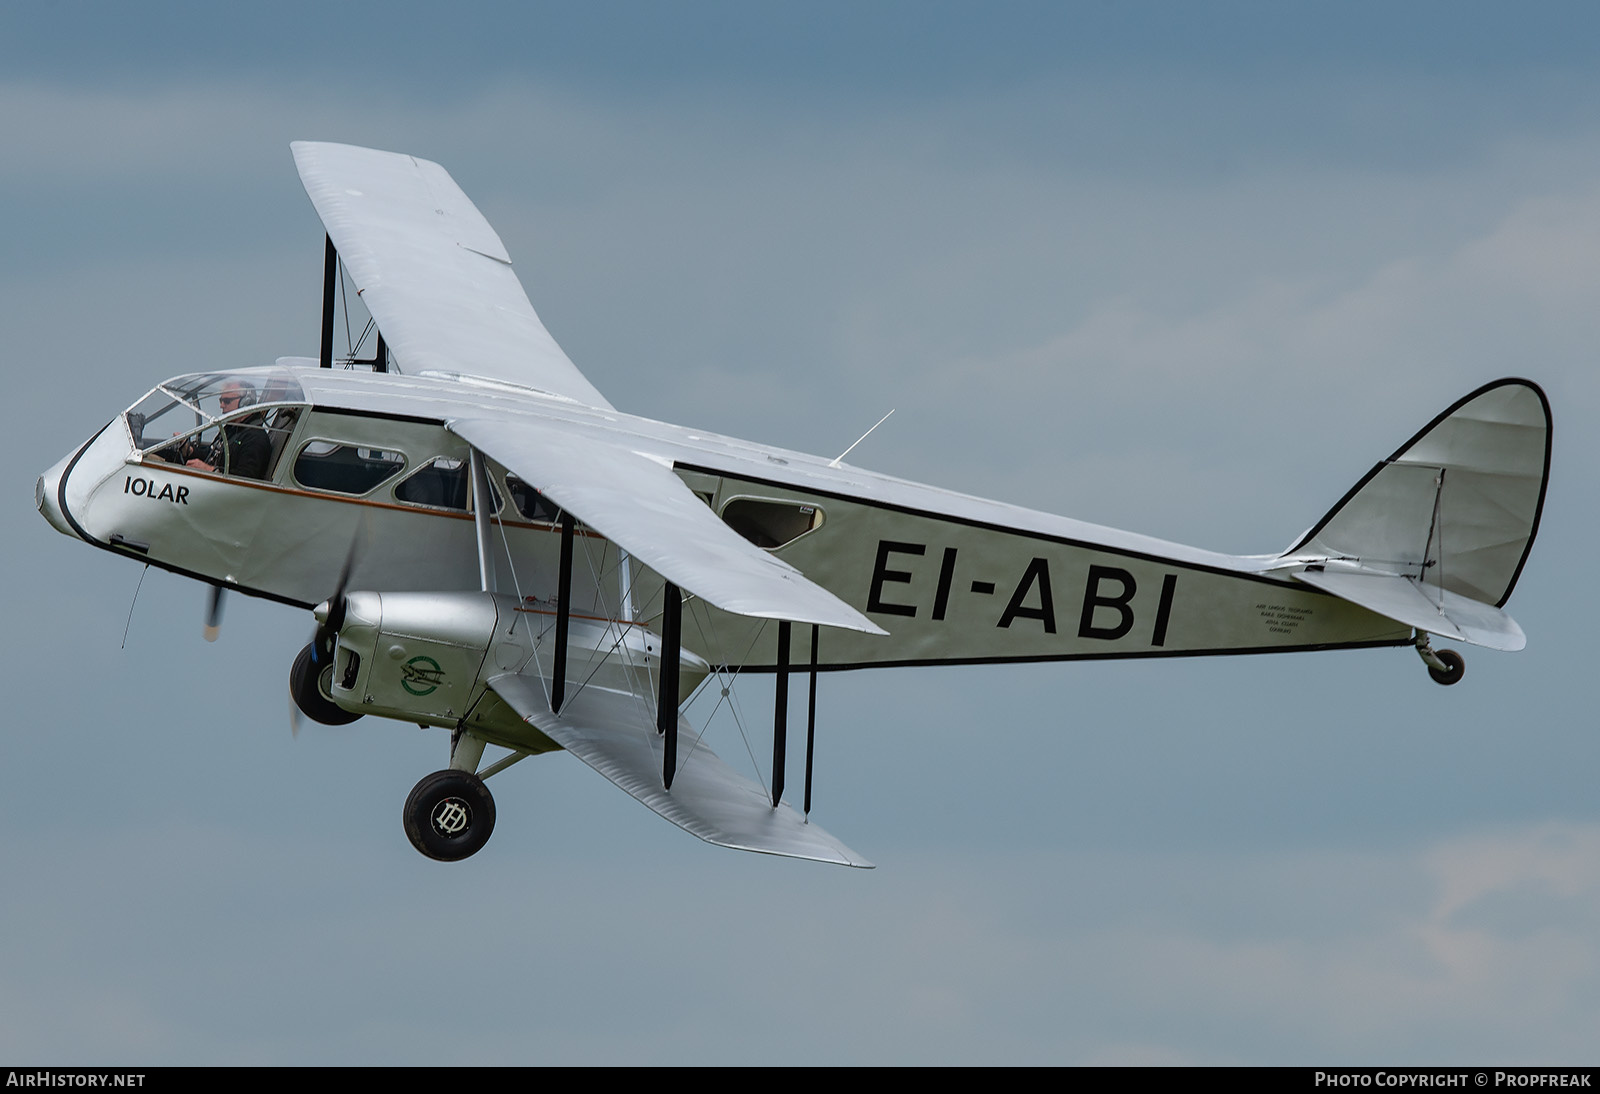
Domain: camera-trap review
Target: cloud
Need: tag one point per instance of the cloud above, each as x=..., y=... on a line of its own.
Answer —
x=1130, y=409
x=999, y=956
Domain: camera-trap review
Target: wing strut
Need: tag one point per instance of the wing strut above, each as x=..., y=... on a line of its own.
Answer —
x=811, y=717
x=482, y=507
x=667, y=698
x=558, y=682
x=330, y=274
x=780, y=713
x=330, y=281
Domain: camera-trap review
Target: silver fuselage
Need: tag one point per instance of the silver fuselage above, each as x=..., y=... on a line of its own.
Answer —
x=954, y=579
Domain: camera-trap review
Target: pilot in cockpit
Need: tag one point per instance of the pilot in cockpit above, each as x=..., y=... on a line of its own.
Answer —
x=241, y=446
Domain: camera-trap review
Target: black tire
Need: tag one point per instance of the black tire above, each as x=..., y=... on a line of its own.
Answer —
x=309, y=691
x=1455, y=668
x=449, y=815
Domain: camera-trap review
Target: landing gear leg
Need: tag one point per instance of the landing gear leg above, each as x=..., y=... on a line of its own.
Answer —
x=449, y=815
x=1445, y=666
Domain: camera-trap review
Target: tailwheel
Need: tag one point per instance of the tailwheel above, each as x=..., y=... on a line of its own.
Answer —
x=1445, y=666
x=1455, y=667
x=309, y=686
x=449, y=815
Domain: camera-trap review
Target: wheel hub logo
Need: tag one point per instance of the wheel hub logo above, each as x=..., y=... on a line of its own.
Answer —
x=421, y=675
x=451, y=817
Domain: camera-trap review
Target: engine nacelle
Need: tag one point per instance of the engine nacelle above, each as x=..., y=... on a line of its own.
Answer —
x=427, y=657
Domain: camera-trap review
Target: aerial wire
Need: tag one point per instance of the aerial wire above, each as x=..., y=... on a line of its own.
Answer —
x=864, y=436
x=136, y=589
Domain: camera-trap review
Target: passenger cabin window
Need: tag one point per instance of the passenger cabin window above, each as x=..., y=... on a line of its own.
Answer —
x=345, y=468
x=768, y=523
x=443, y=482
x=530, y=503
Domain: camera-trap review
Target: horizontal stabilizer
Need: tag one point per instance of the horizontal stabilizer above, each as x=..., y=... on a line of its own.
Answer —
x=642, y=507
x=1425, y=607
x=614, y=733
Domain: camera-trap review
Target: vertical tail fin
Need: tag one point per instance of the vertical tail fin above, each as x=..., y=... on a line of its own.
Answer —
x=1453, y=512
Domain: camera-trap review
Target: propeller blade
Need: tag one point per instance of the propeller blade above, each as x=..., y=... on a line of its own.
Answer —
x=329, y=622
x=330, y=617
x=213, y=626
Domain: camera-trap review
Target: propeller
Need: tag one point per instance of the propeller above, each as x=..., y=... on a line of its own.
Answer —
x=330, y=617
x=213, y=625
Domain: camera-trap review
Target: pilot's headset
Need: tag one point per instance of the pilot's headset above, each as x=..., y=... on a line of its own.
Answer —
x=246, y=392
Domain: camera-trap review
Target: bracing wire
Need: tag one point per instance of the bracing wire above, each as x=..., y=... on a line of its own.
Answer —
x=345, y=300
x=603, y=575
x=728, y=692
x=533, y=643
x=366, y=330
x=620, y=625
x=1435, y=527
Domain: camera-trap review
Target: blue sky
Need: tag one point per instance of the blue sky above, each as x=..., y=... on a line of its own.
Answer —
x=1183, y=269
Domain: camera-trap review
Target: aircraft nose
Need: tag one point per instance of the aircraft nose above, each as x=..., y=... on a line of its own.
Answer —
x=47, y=497
x=66, y=493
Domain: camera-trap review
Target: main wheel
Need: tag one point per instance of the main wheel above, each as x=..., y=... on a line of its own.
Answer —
x=1455, y=668
x=449, y=815
x=310, y=691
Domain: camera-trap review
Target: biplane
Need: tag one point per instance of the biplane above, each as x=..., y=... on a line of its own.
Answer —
x=490, y=547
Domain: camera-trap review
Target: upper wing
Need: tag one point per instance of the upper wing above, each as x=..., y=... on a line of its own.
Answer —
x=644, y=508
x=434, y=275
